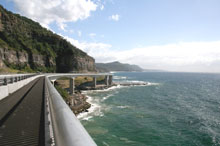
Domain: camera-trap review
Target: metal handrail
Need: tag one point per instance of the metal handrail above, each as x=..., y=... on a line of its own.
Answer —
x=68, y=131
x=9, y=79
x=71, y=75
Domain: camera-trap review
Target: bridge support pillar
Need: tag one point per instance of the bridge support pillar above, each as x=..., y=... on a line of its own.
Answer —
x=106, y=80
x=110, y=80
x=94, y=81
x=72, y=86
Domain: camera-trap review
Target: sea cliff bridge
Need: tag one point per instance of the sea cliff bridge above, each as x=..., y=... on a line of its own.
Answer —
x=32, y=112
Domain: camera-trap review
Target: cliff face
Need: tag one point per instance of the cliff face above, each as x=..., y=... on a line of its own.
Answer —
x=12, y=57
x=71, y=63
x=24, y=44
x=20, y=59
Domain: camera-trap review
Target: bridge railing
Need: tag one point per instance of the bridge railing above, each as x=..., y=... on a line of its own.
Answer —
x=9, y=79
x=67, y=129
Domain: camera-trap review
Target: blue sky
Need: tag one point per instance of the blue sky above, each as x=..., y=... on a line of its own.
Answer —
x=176, y=35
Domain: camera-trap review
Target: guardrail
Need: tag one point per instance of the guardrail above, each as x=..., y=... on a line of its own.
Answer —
x=10, y=79
x=10, y=83
x=68, y=131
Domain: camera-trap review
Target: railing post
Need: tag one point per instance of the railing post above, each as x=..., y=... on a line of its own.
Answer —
x=12, y=80
x=106, y=80
x=72, y=86
x=94, y=82
x=110, y=80
x=16, y=79
x=5, y=81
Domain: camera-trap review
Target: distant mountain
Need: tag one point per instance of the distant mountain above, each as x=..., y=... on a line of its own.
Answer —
x=117, y=66
x=154, y=70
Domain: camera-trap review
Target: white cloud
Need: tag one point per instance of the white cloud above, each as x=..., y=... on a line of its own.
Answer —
x=71, y=31
x=183, y=56
x=180, y=54
x=114, y=17
x=92, y=34
x=79, y=33
x=100, y=51
x=102, y=7
x=59, y=11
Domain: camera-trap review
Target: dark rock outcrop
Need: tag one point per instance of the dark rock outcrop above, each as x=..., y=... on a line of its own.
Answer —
x=71, y=63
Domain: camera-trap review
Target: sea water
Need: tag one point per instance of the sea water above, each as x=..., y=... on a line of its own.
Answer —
x=181, y=109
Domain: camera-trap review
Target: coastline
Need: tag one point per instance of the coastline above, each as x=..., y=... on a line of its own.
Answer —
x=95, y=109
x=119, y=111
x=82, y=104
x=83, y=114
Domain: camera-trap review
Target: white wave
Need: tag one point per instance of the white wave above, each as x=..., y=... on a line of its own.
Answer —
x=106, y=97
x=97, y=108
x=150, y=84
x=136, y=81
x=94, y=110
x=103, y=90
x=126, y=140
x=123, y=107
x=104, y=143
x=114, y=87
x=142, y=83
x=153, y=84
x=86, y=118
x=119, y=77
x=132, y=81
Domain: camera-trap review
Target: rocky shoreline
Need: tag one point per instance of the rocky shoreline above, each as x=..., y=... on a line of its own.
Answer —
x=78, y=101
x=78, y=104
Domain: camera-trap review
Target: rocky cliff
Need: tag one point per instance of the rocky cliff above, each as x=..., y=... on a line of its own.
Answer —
x=25, y=45
x=21, y=60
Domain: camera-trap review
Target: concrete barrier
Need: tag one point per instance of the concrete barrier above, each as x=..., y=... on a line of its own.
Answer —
x=11, y=88
x=3, y=92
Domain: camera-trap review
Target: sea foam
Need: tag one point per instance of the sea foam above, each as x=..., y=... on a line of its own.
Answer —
x=94, y=110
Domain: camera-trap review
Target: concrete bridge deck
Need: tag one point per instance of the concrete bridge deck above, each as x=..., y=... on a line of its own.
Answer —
x=22, y=116
x=34, y=113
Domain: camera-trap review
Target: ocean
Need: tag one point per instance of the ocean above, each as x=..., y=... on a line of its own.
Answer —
x=174, y=109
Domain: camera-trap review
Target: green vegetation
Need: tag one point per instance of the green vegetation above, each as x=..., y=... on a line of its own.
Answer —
x=19, y=33
x=100, y=78
x=64, y=81
x=62, y=92
x=9, y=70
x=80, y=80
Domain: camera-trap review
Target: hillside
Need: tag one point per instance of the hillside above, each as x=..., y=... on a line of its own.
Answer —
x=116, y=66
x=25, y=45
